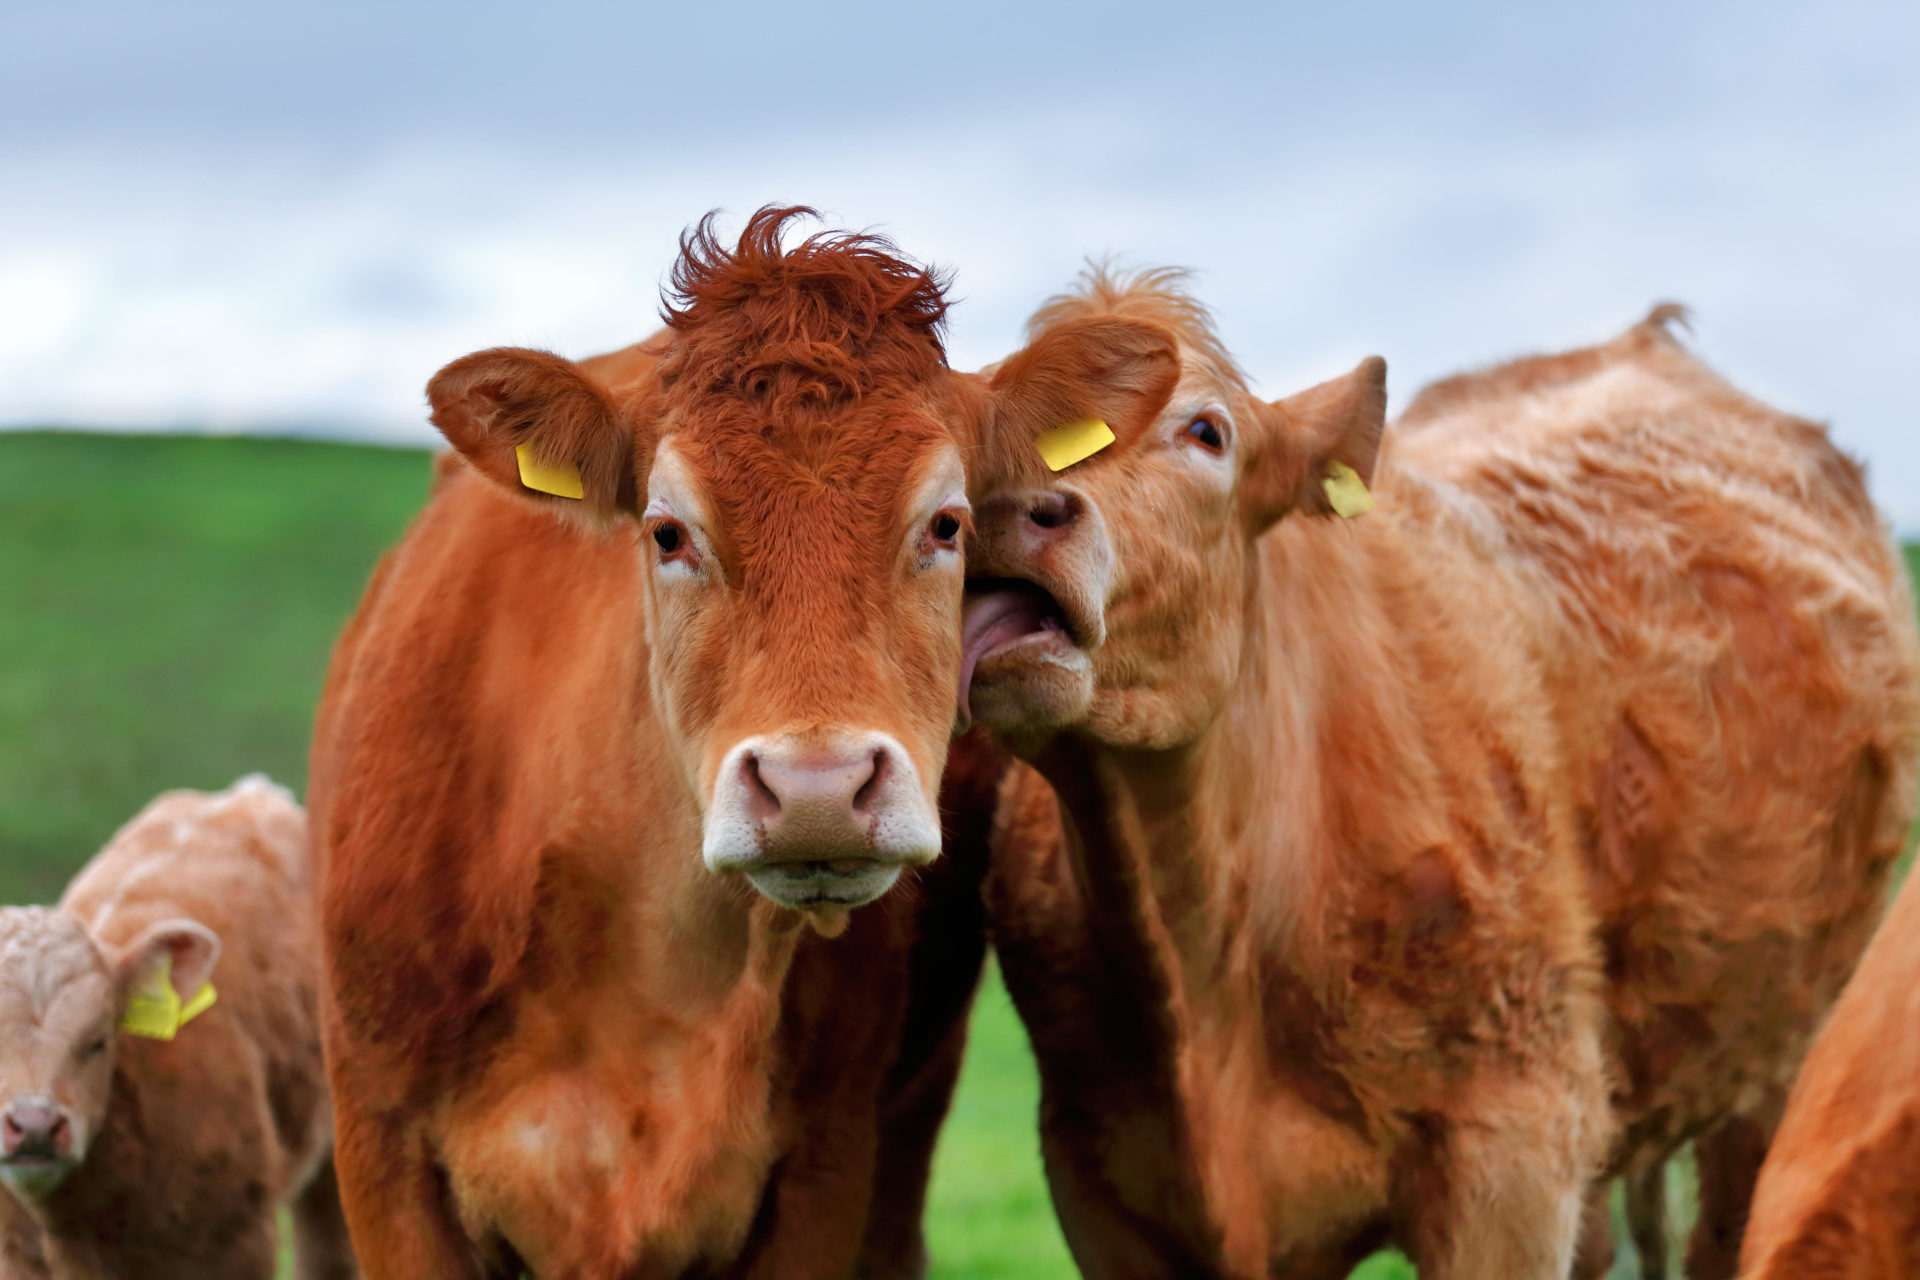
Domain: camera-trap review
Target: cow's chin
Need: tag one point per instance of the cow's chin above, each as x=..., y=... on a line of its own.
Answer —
x=36, y=1178
x=1024, y=668
x=1038, y=684
x=822, y=886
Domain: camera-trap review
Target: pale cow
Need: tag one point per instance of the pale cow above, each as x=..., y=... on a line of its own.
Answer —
x=168, y=1158
x=1424, y=868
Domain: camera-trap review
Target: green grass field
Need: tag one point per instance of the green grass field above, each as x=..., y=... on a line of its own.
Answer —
x=166, y=609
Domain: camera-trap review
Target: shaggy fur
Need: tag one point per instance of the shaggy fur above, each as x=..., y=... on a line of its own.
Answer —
x=559, y=1044
x=203, y=1138
x=1421, y=870
x=1839, y=1196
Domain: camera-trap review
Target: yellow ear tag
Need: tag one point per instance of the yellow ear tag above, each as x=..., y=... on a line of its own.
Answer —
x=154, y=1009
x=1347, y=493
x=1061, y=447
x=561, y=479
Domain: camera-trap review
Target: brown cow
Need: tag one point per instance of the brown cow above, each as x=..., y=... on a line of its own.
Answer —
x=1422, y=866
x=560, y=1043
x=128, y=1155
x=1839, y=1197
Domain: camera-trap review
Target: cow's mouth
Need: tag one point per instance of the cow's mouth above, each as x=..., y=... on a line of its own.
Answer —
x=1003, y=622
x=35, y=1172
x=836, y=882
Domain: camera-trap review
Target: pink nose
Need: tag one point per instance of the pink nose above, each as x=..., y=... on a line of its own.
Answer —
x=815, y=805
x=35, y=1128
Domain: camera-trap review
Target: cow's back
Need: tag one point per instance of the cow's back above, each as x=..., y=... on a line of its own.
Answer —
x=1727, y=643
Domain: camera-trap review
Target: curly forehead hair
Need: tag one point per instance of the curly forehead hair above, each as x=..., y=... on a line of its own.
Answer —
x=821, y=323
x=1159, y=294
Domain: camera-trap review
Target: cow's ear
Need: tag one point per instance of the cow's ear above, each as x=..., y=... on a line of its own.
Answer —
x=190, y=948
x=1118, y=370
x=1317, y=449
x=537, y=425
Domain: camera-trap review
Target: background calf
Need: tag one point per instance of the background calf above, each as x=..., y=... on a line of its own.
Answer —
x=128, y=1155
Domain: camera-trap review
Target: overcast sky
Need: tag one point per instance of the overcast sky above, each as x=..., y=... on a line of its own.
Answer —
x=267, y=216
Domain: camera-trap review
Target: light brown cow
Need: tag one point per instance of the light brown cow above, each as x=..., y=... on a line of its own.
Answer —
x=1839, y=1197
x=561, y=1043
x=1432, y=863
x=133, y=1156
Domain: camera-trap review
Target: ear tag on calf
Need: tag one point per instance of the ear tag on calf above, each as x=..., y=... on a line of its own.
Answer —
x=154, y=1009
x=1347, y=493
x=561, y=479
x=1061, y=447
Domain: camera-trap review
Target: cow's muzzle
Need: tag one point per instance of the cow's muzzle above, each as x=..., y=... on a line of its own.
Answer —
x=820, y=819
x=36, y=1146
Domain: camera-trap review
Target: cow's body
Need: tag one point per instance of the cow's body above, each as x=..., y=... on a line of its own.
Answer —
x=567, y=1037
x=555, y=1047
x=1839, y=1197
x=1543, y=812
x=1726, y=640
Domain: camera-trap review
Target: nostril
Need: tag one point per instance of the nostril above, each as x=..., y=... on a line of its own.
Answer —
x=57, y=1130
x=762, y=802
x=863, y=798
x=1054, y=510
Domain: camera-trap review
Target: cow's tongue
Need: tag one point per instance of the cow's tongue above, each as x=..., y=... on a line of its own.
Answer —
x=993, y=617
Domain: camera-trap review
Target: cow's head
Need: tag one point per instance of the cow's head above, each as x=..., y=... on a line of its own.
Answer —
x=62, y=995
x=1112, y=596
x=792, y=466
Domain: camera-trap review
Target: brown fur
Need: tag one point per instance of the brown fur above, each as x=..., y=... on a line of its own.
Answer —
x=1839, y=1196
x=207, y=1135
x=559, y=1043
x=1441, y=860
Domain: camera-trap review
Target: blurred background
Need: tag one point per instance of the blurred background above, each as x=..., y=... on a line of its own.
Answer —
x=226, y=224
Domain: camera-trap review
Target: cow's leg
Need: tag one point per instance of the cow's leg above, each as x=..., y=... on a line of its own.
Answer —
x=320, y=1228
x=1107, y=1239
x=249, y=1255
x=1593, y=1255
x=395, y=1201
x=1729, y=1160
x=1647, y=1219
x=894, y=1246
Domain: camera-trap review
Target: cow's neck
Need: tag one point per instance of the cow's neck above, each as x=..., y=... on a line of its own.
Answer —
x=637, y=921
x=1214, y=869
x=1220, y=842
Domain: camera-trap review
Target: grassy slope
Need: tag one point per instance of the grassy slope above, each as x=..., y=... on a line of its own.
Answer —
x=166, y=608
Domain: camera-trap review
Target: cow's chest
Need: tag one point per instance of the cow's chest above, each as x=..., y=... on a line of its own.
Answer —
x=612, y=1146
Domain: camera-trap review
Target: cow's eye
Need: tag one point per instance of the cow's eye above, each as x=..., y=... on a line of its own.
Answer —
x=91, y=1049
x=1206, y=433
x=940, y=534
x=671, y=537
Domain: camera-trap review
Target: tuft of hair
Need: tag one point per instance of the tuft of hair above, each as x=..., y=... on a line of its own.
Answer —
x=1159, y=294
x=1666, y=315
x=810, y=326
